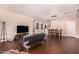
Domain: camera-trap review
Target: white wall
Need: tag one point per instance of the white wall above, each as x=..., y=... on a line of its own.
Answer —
x=77, y=28
x=12, y=20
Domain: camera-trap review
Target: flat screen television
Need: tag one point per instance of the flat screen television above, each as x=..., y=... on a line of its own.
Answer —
x=21, y=29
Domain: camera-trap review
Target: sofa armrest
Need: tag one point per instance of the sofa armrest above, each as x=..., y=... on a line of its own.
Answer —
x=25, y=44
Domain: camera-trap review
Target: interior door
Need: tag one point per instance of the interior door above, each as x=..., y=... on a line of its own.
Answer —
x=71, y=28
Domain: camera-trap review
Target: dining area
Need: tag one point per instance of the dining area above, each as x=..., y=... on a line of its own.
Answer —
x=55, y=33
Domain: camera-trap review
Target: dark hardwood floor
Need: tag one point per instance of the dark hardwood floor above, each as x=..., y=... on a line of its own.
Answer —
x=65, y=45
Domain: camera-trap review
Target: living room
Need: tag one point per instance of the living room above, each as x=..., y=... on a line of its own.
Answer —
x=43, y=21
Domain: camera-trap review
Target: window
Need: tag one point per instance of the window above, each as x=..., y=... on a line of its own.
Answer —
x=45, y=26
x=41, y=26
x=37, y=25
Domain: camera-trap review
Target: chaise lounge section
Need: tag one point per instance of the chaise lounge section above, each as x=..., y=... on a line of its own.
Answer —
x=33, y=40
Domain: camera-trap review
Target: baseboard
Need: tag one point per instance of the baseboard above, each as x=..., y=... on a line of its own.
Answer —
x=72, y=36
x=77, y=36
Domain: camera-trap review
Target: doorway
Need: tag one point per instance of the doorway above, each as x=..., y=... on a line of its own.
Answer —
x=71, y=28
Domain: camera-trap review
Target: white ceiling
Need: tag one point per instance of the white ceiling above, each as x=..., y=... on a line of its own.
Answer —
x=40, y=11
